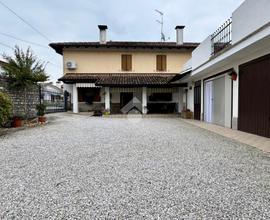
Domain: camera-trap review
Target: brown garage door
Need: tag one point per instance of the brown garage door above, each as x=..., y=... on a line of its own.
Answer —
x=254, y=97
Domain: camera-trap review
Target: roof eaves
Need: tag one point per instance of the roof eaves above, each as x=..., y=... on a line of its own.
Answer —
x=58, y=47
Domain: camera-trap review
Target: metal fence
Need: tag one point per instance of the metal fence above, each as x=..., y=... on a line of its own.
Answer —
x=54, y=101
x=222, y=37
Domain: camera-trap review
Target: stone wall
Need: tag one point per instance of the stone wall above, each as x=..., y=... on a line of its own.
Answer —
x=18, y=98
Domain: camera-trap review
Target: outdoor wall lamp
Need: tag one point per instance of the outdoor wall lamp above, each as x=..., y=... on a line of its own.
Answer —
x=233, y=75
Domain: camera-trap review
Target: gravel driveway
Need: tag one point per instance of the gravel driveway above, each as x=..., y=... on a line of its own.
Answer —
x=78, y=167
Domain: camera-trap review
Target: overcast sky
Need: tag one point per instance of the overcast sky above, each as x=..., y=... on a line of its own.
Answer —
x=132, y=20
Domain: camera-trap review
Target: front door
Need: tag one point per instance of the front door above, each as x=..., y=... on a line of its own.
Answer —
x=125, y=98
x=214, y=101
x=197, y=100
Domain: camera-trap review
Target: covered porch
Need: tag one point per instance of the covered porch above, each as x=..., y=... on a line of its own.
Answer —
x=127, y=94
x=117, y=100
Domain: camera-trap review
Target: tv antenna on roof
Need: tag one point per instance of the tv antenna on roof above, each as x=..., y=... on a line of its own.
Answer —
x=162, y=35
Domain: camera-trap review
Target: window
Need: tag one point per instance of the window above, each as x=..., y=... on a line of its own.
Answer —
x=161, y=62
x=89, y=95
x=126, y=62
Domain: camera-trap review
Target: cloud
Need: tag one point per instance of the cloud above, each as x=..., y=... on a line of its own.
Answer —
x=63, y=20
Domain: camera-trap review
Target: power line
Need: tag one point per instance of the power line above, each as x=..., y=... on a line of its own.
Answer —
x=5, y=45
x=26, y=41
x=26, y=22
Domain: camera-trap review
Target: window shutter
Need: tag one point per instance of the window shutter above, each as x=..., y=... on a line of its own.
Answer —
x=129, y=62
x=126, y=62
x=164, y=63
x=161, y=62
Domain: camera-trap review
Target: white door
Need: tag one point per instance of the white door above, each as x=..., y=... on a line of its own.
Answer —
x=208, y=101
x=214, y=101
x=219, y=101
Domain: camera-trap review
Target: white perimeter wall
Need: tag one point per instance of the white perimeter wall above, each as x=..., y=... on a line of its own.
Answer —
x=202, y=53
x=249, y=17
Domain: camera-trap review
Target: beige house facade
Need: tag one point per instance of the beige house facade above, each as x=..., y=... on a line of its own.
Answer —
x=110, y=61
x=124, y=77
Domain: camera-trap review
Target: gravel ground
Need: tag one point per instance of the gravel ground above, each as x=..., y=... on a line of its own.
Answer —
x=78, y=167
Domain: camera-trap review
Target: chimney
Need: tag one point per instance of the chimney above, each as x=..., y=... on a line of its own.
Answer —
x=102, y=34
x=179, y=35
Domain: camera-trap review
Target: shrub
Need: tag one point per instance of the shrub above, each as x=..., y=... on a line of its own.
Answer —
x=24, y=70
x=5, y=108
x=41, y=109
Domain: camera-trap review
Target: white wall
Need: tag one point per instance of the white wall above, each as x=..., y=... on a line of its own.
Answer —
x=188, y=65
x=249, y=17
x=202, y=53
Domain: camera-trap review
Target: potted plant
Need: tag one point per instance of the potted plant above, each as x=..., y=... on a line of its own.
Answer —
x=106, y=112
x=187, y=114
x=18, y=120
x=41, y=112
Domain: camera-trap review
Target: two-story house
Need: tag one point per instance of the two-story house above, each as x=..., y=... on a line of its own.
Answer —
x=122, y=76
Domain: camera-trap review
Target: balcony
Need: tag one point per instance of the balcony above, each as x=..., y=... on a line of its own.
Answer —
x=222, y=37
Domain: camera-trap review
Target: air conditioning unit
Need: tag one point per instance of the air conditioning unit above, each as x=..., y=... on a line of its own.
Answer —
x=71, y=65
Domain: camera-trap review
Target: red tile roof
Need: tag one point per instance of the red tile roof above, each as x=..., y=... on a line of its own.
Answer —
x=120, y=79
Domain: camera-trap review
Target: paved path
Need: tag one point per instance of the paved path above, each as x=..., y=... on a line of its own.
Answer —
x=78, y=167
x=259, y=142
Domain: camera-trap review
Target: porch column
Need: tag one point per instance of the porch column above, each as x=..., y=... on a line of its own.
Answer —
x=107, y=99
x=144, y=100
x=75, y=99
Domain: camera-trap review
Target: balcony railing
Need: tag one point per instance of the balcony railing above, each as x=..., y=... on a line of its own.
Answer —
x=222, y=37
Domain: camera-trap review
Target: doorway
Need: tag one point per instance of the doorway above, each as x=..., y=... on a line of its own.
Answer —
x=125, y=98
x=214, y=101
x=197, y=101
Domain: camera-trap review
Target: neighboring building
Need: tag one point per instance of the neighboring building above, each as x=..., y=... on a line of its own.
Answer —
x=59, y=84
x=109, y=75
x=52, y=96
x=228, y=75
x=51, y=93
